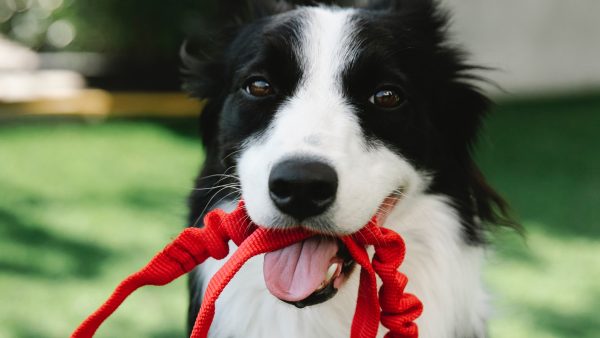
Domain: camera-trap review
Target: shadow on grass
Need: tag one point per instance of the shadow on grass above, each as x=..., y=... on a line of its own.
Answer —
x=512, y=245
x=148, y=198
x=39, y=241
x=28, y=332
x=561, y=323
x=23, y=332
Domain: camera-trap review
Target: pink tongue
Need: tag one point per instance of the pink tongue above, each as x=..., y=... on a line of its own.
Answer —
x=295, y=272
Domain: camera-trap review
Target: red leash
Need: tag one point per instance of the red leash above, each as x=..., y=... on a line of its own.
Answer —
x=194, y=245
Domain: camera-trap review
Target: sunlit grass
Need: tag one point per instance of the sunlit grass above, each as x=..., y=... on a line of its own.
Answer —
x=83, y=205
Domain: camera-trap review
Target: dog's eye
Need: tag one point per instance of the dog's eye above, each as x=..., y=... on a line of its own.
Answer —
x=388, y=98
x=258, y=87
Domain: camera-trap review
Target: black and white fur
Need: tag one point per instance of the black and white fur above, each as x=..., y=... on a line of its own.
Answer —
x=324, y=63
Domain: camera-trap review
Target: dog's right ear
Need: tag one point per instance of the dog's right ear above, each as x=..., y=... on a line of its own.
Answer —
x=202, y=69
x=204, y=78
x=202, y=54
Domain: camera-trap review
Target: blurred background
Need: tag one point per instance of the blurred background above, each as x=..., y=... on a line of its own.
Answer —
x=98, y=149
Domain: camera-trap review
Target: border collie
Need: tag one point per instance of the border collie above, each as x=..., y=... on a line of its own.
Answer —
x=322, y=116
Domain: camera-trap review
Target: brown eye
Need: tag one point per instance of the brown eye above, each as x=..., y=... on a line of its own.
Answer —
x=388, y=98
x=258, y=87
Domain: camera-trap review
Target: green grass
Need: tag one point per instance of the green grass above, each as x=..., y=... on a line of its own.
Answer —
x=83, y=205
x=545, y=157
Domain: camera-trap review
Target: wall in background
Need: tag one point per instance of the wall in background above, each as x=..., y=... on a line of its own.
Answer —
x=538, y=46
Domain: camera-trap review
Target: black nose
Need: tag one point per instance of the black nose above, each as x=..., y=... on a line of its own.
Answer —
x=303, y=188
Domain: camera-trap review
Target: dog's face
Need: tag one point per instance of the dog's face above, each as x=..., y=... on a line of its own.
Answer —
x=324, y=150
x=332, y=116
x=348, y=91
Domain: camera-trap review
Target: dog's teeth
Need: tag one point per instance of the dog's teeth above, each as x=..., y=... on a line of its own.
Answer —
x=331, y=271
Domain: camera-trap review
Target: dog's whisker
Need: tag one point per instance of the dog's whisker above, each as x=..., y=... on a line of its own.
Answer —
x=231, y=185
x=231, y=154
x=209, y=203
x=225, y=176
x=217, y=187
x=225, y=197
x=385, y=204
x=219, y=175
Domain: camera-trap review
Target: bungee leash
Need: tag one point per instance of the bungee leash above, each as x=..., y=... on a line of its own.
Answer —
x=396, y=310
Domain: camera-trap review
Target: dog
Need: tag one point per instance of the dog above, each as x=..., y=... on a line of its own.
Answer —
x=322, y=116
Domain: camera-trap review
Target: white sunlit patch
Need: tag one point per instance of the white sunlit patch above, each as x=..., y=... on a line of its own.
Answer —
x=50, y=5
x=26, y=26
x=61, y=33
x=6, y=11
x=19, y=5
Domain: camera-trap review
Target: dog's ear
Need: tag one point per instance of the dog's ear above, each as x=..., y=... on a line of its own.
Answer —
x=462, y=108
x=201, y=69
x=202, y=54
x=203, y=78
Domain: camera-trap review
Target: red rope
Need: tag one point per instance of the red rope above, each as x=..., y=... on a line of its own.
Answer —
x=194, y=245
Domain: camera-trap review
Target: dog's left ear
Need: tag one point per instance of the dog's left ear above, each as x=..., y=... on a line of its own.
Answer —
x=462, y=108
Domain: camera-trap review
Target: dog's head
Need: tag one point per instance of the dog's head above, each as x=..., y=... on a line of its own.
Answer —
x=332, y=115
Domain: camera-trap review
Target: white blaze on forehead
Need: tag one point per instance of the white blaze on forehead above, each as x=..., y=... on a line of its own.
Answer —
x=318, y=116
x=328, y=47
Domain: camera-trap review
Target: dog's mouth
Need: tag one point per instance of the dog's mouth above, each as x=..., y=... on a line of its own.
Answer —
x=311, y=272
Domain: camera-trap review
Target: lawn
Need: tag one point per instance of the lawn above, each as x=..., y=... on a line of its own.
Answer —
x=84, y=204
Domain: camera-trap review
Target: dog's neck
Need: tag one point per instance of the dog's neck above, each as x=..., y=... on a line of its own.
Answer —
x=443, y=271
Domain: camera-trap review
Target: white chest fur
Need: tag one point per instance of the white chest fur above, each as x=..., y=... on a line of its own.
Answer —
x=443, y=272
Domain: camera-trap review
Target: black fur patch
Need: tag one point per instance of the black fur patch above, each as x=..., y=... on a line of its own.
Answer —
x=404, y=45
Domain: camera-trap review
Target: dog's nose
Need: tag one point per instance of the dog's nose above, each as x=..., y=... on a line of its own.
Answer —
x=303, y=188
